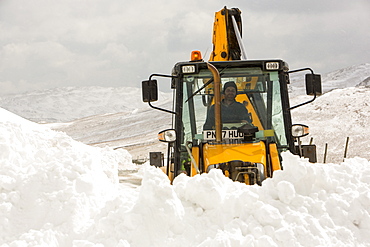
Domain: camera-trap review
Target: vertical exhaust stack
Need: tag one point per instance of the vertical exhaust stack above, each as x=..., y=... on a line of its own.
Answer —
x=217, y=86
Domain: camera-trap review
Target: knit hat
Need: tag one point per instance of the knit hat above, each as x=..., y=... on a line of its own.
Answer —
x=230, y=84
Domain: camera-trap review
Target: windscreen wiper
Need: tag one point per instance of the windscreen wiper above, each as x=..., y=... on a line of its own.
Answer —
x=204, y=85
x=200, y=89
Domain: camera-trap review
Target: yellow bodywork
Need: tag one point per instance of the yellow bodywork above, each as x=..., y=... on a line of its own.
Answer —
x=274, y=156
x=223, y=41
x=219, y=40
x=222, y=153
x=247, y=152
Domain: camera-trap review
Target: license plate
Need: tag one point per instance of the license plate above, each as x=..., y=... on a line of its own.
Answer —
x=226, y=134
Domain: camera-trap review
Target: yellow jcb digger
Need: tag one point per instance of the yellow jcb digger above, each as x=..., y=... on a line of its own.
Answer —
x=246, y=151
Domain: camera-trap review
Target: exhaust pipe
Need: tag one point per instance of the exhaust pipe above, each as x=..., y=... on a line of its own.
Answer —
x=217, y=90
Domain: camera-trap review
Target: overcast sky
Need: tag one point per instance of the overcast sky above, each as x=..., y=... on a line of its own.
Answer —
x=48, y=43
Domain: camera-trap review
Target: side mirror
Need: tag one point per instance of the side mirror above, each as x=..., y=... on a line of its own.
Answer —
x=168, y=135
x=313, y=84
x=300, y=130
x=150, y=90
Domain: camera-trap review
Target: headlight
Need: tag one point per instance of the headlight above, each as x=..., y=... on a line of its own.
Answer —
x=168, y=135
x=272, y=66
x=300, y=130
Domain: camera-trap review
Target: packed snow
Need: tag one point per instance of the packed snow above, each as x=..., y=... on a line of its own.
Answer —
x=59, y=192
x=56, y=191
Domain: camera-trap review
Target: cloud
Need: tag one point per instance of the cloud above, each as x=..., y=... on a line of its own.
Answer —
x=325, y=35
x=47, y=44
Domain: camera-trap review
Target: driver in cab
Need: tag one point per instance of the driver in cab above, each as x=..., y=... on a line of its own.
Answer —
x=231, y=110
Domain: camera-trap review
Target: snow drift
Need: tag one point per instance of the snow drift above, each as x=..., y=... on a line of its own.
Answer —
x=55, y=191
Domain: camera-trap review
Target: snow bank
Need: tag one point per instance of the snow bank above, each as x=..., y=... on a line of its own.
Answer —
x=304, y=205
x=50, y=185
x=58, y=192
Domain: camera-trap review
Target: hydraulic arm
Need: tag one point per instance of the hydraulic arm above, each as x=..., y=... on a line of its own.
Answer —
x=227, y=33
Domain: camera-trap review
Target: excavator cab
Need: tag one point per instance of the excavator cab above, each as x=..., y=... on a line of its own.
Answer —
x=246, y=150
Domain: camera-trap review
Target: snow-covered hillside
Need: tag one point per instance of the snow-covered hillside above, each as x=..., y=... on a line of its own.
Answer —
x=117, y=116
x=97, y=116
x=333, y=117
x=70, y=103
x=356, y=75
x=134, y=131
x=55, y=191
